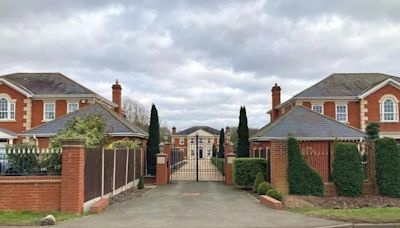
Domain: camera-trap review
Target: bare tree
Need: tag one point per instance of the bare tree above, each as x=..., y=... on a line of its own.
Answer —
x=136, y=113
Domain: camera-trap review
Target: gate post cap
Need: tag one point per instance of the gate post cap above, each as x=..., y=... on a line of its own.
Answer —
x=161, y=155
x=230, y=155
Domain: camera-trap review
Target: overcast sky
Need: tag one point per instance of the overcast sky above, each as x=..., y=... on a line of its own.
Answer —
x=198, y=61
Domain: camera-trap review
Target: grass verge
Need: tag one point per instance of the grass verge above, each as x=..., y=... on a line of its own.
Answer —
x=32, y=218
x=369, y=215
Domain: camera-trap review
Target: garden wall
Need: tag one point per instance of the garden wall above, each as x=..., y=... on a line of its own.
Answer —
x=30, y=193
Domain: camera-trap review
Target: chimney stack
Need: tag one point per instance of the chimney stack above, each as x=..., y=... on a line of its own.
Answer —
x=116, y=96
x=276, y=100
x=173, y=130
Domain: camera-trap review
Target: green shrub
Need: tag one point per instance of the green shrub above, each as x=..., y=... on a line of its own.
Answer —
x=219, y=163
x=246, y=169
x=124, y=143
x=21, y=162
x=259, y=179
x=140, y=184
x=275, y=194
x=263, y=188
x=388, y=167
x=302, y=179
x=348, y=173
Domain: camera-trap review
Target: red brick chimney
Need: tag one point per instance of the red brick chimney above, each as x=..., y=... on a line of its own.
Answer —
x=276, y=100
x=116, y=97
x=174, y=130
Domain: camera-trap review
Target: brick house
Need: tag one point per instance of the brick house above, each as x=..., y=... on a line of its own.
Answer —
x=31, y=103
x=338, y=108
x=185, y=141
x=355, y=99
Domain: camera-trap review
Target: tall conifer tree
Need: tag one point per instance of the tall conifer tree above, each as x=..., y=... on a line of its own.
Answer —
x=153, y=142
x=221, y=144
x=243, y=134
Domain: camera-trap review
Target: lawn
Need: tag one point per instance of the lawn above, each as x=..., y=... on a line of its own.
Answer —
x=32, y=218
x=370, y=215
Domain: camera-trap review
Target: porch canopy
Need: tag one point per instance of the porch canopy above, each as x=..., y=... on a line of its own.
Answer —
x=6, y=134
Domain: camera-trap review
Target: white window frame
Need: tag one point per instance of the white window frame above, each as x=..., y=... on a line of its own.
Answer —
x=181, y=141
x=44, y=110
x=395, y=111
x=72, y=103
x=10, y=110
x=346, y=113
x=318, y=105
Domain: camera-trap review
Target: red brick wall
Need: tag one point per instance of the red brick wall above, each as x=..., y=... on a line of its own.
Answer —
x=279, y=164
x=307, y=104
x=258, y=145
x=354, y=114
x=72, y=174
x=43, y=142
x=17, y=125
x=37, y=112
x=30, y=193
x=329, y=109
x=373, y=107
x=61, y=108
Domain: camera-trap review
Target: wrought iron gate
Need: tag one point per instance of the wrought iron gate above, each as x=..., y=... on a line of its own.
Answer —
x=195, y=168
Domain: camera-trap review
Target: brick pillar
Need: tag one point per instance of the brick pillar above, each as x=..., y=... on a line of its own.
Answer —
x=371, y=165
x=162, y=174
x=279, y=166
x=229, y=168
x=72, y=175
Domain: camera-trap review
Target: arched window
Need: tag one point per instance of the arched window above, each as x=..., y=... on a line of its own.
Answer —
x=389, y=110
x=7, y=109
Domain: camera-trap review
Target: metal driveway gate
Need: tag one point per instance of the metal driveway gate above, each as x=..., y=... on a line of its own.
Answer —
x=197, y=168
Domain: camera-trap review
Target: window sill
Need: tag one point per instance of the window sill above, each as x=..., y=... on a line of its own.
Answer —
x=45, y=121
x=386, y=121
x=10, y=121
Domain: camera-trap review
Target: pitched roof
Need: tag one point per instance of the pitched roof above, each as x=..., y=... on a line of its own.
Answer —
x=344, y=85
x=306, y=124
x=8, y=133
x=115, y=124
x=196, y=128
x=46, y=83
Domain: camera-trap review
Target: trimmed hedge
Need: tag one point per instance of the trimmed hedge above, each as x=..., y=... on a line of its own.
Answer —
x=263, y=188
x=259, y=179
x=388, y=167
x=348, y=173
x=302, y=179
x=275, y=194
x=219, y=163
x=246, y=169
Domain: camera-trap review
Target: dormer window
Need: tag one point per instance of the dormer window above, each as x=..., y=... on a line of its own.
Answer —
x=49, y=111
x=7, y=109
x=389, y=110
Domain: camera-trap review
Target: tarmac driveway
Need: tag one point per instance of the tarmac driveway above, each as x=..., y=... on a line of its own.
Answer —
x=195, y=204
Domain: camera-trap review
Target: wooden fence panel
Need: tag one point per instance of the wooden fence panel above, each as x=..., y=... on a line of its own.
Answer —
x=138, y=164
x=131, y=165
x=108, y=171
x=93, y=164
x=120, y=169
